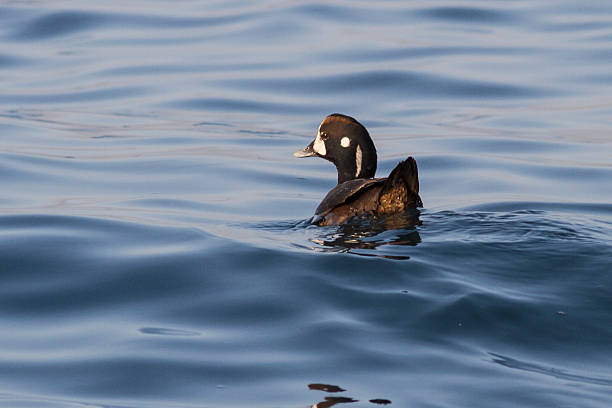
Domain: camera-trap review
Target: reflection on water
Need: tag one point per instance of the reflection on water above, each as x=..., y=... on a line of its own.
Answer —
x=380, y=401
x=325, y=387
x=373, y=236
x=330, y=401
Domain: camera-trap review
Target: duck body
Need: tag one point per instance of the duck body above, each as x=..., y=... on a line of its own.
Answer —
x=346, y=143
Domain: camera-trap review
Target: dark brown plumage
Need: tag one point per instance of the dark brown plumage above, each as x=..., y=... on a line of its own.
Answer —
x=346, y=143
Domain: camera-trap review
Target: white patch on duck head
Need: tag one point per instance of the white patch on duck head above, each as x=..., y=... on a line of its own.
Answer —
x=345, y=142
x=358, y=159
x=319, y=145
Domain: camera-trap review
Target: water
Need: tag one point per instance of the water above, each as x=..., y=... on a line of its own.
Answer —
x=155, y=248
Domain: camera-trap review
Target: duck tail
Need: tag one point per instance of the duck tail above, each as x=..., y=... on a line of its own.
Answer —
x=403, y=182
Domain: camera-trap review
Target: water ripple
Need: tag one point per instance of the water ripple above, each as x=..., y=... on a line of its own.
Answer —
x=73, y=97
x=550, y=371
x=469, y=15
x=395, y=82
x=57, y=24
x=155, y=240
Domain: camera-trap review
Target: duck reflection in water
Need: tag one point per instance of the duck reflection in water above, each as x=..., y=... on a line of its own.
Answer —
x=330, y=401
x=380, y=236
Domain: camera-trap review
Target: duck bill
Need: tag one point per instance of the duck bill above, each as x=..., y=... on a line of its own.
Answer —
x=308, y=151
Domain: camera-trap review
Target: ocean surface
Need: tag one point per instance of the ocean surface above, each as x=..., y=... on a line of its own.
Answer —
x=155, y=244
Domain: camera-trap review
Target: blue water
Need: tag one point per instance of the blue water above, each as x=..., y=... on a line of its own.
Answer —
x=155, y=249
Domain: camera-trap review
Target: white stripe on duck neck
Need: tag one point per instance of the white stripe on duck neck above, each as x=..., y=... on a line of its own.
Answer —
x=358, y=159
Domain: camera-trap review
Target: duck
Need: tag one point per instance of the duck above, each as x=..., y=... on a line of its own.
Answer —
x=345, y=142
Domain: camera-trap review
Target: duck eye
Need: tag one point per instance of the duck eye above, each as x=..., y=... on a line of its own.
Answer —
x=324, y=136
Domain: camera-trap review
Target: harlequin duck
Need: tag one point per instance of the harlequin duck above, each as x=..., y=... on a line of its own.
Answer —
x=345, y=142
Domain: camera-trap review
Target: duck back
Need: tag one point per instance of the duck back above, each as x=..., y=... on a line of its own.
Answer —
x=347, y=192
x=376, y=196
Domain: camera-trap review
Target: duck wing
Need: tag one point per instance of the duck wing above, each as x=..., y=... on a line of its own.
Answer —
x=344, y=192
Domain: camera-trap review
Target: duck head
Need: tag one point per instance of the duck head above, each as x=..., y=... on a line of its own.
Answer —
x=346, y=143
